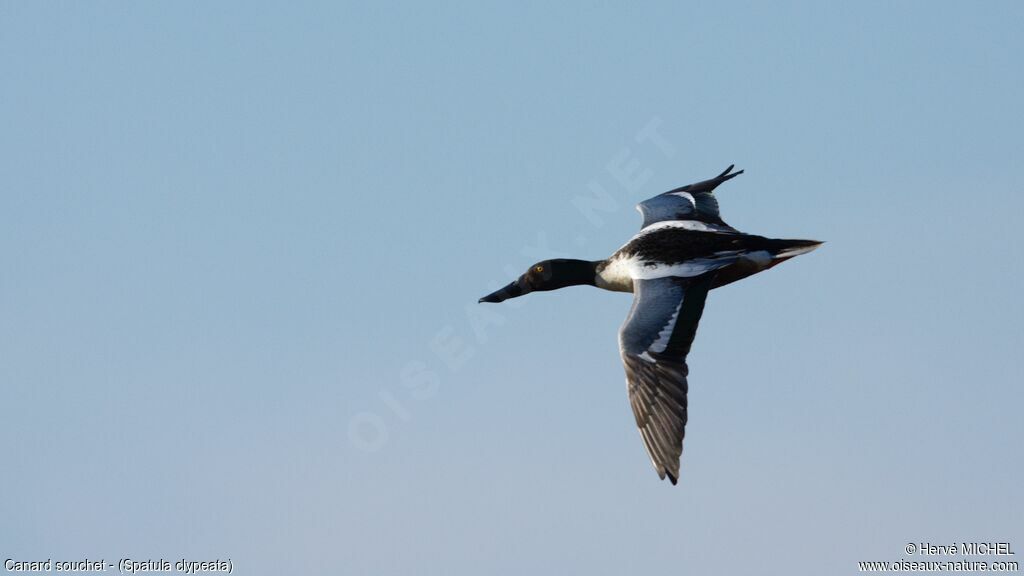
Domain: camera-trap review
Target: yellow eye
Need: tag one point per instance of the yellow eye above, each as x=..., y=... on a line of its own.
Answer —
x=538, y=268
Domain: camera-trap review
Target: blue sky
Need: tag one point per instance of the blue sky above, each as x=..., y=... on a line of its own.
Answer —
x=242, y=245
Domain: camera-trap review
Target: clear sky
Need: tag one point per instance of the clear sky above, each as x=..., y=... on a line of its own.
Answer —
x=242, y=244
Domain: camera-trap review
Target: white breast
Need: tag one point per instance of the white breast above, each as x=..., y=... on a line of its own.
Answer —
x=617, y=275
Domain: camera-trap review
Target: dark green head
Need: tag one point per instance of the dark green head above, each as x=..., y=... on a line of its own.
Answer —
x=547, y=275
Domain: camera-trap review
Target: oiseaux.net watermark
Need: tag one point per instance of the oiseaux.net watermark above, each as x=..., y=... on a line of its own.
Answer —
x=452, y=346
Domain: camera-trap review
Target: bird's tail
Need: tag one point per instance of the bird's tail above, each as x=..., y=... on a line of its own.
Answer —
x=786, y=249
x=770, y=252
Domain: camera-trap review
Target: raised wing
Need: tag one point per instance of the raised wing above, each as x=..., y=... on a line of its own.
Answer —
x=654, y=342
x=690, y=202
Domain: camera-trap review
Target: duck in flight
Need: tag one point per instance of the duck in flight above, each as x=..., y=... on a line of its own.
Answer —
x=683, y=250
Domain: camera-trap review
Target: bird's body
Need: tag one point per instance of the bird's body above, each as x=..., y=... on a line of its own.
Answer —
x=683, y=250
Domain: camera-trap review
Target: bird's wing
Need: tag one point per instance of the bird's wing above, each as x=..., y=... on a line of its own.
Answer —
x=654, y=342
x=690, y=202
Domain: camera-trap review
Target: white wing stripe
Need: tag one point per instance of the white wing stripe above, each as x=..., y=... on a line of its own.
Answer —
x=642, y=271
x=665, y=335
x=688, y=196
x=695, y=225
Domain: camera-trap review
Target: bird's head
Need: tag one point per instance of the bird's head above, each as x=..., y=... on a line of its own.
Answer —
x=546, y=275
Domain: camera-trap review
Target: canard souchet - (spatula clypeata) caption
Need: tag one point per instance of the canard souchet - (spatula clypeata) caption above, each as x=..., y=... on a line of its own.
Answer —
x=683, y=250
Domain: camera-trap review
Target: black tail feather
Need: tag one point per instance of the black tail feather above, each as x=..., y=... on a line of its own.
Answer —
x=708, y=185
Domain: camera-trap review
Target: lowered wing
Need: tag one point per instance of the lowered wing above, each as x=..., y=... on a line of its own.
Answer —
x=654, y=342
